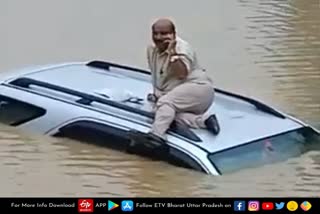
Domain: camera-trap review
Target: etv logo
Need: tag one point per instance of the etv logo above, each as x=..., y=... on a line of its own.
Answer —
x=85, y=205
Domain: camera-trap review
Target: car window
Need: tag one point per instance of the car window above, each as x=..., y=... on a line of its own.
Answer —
x=180, y=158
x=264, y=151
x=95, y=133
x=105, y=135
x=14, y=112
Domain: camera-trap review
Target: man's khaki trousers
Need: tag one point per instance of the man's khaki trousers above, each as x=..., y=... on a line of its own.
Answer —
x=186, y=103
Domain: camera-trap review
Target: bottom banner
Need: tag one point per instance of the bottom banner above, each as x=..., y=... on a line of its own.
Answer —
x=147, y=205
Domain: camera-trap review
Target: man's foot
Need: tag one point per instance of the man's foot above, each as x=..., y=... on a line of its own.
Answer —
x=212, y=124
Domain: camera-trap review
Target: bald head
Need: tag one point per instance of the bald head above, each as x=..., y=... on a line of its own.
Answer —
x=164, y=23
x=163, y=31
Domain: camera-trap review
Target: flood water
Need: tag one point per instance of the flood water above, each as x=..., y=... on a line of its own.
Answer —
x=267, y=49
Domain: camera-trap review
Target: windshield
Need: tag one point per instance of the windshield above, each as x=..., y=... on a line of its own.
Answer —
x=268, y=150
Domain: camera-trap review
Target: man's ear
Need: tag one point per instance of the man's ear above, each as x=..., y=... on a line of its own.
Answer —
x=173, y=36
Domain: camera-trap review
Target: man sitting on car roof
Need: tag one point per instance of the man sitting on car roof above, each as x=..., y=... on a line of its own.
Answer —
x=182, y=90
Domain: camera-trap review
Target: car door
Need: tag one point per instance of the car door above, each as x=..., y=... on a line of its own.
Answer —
x=103, y=133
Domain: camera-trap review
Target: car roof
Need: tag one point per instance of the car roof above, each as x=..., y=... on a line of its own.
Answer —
x=240, y=119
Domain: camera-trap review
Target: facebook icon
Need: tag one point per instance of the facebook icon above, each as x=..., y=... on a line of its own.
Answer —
x=239, y=206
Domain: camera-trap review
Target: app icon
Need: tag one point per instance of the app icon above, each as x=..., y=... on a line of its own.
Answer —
x=127, y=205
x=292, y=205
x=267, y=206
x=85, y=205
x=253, y=205
x=112, y=205
x=305, y=206
x=279, y=206
x=239, y=206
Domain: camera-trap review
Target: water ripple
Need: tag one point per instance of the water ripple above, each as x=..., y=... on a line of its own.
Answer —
x=267, y=48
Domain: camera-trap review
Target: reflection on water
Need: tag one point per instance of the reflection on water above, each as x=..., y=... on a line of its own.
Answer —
x=285, y=41
x=272, y=48
x=40, y=166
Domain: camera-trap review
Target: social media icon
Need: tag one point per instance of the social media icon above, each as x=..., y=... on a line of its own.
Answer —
x=305, y=206
x=127, y=205
x=253, y=206
x=239, y=206
x=267, y=206
x=292, y=206
x=112, y=205
x=279, y=206
x=85, y=205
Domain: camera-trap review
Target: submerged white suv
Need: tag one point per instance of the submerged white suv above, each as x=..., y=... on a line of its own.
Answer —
x=101, y=102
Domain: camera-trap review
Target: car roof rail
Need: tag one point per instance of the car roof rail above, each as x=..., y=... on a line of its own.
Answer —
x=87, y=99
x=259, y=105
x=106, y=66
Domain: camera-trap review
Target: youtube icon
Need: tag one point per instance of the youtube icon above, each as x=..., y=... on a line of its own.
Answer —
x=267, y=206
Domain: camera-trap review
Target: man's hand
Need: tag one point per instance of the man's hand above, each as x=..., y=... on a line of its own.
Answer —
x=152, y=98
x=171, y=49
x=179, y=69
